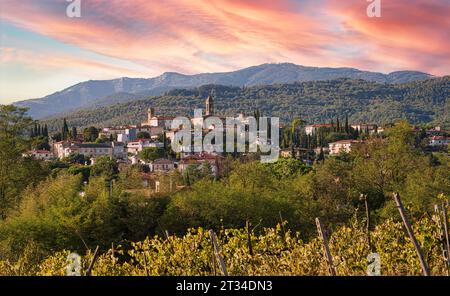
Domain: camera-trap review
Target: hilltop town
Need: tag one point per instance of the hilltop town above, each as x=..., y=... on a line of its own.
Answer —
x=148, y=144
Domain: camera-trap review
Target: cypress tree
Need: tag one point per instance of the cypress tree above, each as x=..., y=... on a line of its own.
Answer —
x=65, y=131
x=36, y=132
x=346, y=124
x=321, y=156
x=74, y=133
x=45, y=132
x=165, y=142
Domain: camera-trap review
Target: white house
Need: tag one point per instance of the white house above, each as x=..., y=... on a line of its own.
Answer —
x=92, y=150
x=311, y=129
x=137, y=146
x=39, y=154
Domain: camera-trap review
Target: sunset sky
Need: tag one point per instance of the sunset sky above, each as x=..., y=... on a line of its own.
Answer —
x=43, y=51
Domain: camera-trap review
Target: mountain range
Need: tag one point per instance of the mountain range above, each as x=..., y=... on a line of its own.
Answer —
x=419, y=102
x=97, y=93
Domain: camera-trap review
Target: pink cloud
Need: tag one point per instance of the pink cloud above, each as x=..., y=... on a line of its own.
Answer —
x=219, y=35
x=409, y=34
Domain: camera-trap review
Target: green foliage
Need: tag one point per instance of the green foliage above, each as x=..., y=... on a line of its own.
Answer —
x=85, y=171
x=316, y=102
x=16, y=172
x=40, y=143
x=47, y=215
x=275, y=252
x=151, y=153
x=143, y=135
x=90, y=134
x=75, y=158
x=288, y=168
x=105, y=167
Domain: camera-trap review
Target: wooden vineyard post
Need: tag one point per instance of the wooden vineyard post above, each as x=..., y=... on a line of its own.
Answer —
x=213, y=257
x=446, y=234
x=441, y=213
x=145, y=262
x=113, y=251
x=222, y=265
x=166, y=233
x=323, y=237
x=366, y=203
x=249, y=239
x=91, y=265
x=401, y=209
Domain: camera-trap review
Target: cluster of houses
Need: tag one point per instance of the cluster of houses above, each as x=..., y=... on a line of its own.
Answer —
x=436, y=138
x=127, y=143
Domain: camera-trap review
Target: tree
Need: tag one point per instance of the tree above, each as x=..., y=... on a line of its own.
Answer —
x=287, y=168
x=45, y=131
x=57, y=137
x=143, y=135
x=165, y=143
x=16, y=173
x=40, y=143
x=74, y=133
x=151, y=153
x=105, y=167
x=347, y=128
x=65, y=131
x=75, y=158
x=36, y=130
x=90, y=134
x=85, y=171
x=321, y=156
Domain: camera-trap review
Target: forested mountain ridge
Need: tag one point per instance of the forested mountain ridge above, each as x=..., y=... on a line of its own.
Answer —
x=318, y=101
x=104, y=92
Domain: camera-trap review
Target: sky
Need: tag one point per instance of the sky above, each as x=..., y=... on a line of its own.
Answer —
x=42, y=50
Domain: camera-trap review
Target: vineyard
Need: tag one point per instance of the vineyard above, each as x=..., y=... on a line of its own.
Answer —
x=273, y=251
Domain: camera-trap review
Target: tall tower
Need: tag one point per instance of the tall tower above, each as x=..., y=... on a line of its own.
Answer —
x=209, y=105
